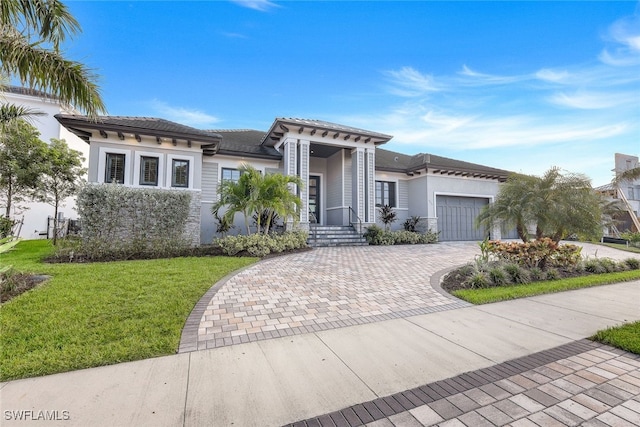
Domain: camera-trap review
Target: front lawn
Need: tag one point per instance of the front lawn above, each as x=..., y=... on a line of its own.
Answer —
x=97, y=314
x=622, y=247
x=502, y=293
x=625, y=337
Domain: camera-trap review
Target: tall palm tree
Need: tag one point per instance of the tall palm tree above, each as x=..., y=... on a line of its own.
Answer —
x=31, y=32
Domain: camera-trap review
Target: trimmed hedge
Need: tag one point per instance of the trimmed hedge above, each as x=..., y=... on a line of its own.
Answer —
x=121, y=222
x=262, y=244
x=375, y=235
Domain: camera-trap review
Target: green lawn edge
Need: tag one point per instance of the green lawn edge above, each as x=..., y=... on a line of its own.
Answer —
x=94, y=314
x=490, y=295
x=625, y=337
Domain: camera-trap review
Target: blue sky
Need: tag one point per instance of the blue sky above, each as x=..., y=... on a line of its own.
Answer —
x=517, y=85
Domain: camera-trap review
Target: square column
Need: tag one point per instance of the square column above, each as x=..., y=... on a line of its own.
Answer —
x=303, y=172
x=370, y=184
x=290, y=168
x=358, y=189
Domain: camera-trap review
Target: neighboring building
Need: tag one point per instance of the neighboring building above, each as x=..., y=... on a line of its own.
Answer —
x=35, y=214
x=346, y=174
x=628, y=192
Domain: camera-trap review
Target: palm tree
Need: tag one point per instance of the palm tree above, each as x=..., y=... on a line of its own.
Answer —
x=30, y=35
x=255, y=193
x=556, y=204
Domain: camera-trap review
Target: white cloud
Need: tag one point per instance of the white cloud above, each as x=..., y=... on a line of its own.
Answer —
x=183, y=115
x=476, y=77
x=260, y=5
x=410, y=82
x=625, y=36
x=592, y=100
x=549, y=75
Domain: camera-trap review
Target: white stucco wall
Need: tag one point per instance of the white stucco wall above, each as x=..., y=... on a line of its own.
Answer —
x=34, y=213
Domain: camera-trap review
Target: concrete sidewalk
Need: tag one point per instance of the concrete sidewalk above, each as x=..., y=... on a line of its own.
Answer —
x=279, y=381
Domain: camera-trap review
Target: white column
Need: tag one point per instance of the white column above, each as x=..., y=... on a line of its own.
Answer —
x=290, y=166
x=371, y=184
x=358, y=183
x=303, y=172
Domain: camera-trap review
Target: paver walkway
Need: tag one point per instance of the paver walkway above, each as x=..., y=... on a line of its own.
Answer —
x=329, y=288
x=582, y=383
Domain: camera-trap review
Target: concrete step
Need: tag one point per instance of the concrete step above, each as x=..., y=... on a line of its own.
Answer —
x=334, y=235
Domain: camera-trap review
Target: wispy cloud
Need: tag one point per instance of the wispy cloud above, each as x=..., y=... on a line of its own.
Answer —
x=552, y=75
x=260, y=5
x=232, y=35
x=593, y=100
x=408, y=82
x=475, y=77
x=189, y=117
x=624, y=36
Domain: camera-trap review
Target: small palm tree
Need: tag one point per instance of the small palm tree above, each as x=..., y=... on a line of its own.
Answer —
x=255, y=193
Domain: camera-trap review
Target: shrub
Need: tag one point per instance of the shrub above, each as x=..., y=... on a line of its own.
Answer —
x=498, y=276
x=540, y=253
x=121, y=222
x=552, y=274
x=538, y=274
x=632, y=263
x=375, y=235
x=517, y=273
x=411, y=224
x=632, y=238
x=479, y=279
x=387, y=215
x=6, y=227
x=593, y=266
x=608, y=265
x=262, y=244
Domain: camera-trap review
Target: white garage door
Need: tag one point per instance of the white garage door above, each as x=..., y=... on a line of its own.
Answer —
x=456, y=217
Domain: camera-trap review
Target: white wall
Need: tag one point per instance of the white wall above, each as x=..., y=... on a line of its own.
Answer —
x=35, y=214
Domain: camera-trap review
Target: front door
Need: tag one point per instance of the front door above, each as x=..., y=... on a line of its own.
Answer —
x=314, y=199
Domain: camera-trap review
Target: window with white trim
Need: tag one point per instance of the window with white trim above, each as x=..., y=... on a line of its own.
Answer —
x=149, y=167
x=386, y=193
x=114, y=168
x=180, y=173
x=229, y=174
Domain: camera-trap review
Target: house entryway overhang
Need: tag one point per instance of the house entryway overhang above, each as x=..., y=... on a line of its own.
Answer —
x=299, y=140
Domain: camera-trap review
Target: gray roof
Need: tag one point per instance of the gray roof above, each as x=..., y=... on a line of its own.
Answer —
x=20, y=90
x=319, y=125
x=137, y=125
x=398, y=162
x=245, y=142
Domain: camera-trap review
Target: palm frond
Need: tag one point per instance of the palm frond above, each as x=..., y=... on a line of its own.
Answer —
x=48, y=71
x=10, y=112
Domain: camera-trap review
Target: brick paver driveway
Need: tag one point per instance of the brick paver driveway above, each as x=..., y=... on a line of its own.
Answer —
x=329, y=288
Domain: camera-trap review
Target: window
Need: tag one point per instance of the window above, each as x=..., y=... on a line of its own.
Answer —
x=385, y=193
x=114, y=170
x=148, y=170
x=180, y=173
x=230, y=174
x=632, y=194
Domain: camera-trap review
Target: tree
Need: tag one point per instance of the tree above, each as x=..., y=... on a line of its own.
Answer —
x=256, y=193
x=31, y=32
x=556, y=204
x=22, y=156
x=61, y=177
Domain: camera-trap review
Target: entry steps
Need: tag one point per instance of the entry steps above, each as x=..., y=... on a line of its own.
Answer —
x=334, y=235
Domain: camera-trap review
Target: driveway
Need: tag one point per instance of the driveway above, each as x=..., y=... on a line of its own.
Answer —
x=329, y=288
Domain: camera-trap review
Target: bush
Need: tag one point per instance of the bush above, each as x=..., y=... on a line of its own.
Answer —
x=375, y=235
x=479, y=279
x=594, y=266
x=541, y=253
x=262, y=244
x=498, y=276
x=6, y=227
x=517, y=273
x=632, y=263
x=121, y=222
x=411, y=224
x=552, y=274
x=632, y=238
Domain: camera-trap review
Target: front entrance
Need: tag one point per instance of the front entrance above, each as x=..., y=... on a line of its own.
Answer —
x=314, y=199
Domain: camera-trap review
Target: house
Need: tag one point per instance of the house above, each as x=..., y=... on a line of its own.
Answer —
x=34, y=214
x=346, y=173
x=627, y=192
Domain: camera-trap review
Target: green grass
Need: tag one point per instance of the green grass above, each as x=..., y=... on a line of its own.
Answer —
x=488, y=295
x=622, y=247
x=97, y=314
x=625, y=337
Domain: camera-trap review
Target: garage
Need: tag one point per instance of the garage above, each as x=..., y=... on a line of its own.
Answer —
x=456, y=217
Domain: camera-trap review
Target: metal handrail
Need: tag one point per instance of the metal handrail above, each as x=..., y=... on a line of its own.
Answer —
x=357, y=217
